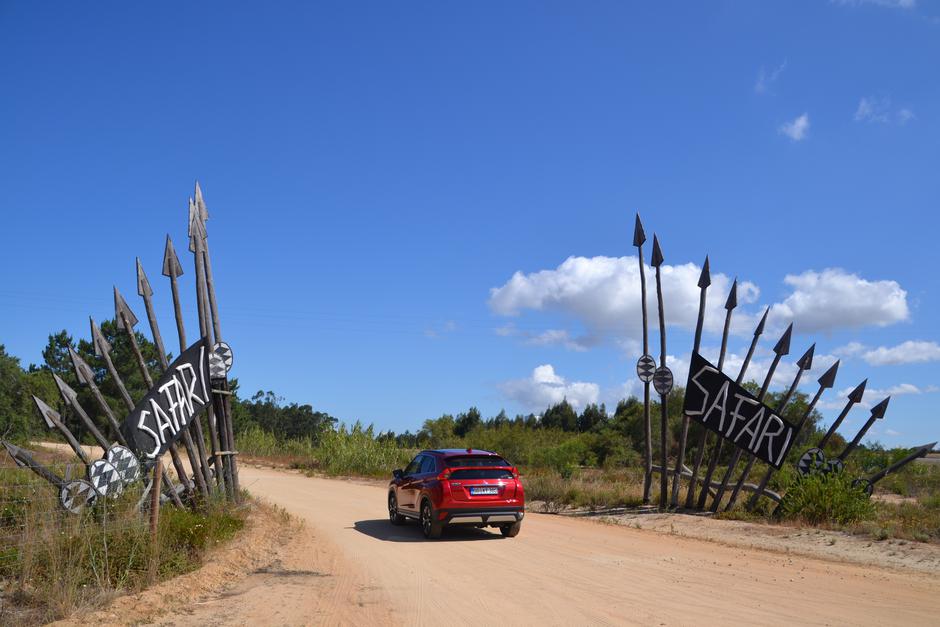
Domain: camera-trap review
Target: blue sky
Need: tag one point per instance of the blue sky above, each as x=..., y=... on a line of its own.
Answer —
x=377, y=173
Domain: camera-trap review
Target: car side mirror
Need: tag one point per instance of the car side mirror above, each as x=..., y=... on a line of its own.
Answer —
x=398, y=474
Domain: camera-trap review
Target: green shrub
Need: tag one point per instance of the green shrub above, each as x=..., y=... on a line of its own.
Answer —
x=827, y=498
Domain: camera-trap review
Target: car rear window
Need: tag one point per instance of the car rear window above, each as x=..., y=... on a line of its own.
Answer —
x=482, y=473
x=476, y=460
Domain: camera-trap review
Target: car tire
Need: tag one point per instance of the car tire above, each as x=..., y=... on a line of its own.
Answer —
x=431, y=527
x=393, y=516
x=511, y=531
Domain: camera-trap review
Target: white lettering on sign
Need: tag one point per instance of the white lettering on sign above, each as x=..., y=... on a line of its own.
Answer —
x=171, y=406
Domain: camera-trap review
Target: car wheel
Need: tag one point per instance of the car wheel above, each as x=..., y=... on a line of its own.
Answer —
x=393, y=516
x=511, y=531
x=430, y=527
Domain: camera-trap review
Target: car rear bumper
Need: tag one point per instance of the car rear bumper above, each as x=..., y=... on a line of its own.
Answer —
x=481, y=515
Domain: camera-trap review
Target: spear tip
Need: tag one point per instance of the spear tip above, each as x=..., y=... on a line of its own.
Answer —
x=79, y=365
x=143, y=284
x=64, y=387
x=705, y=278
x=828, y=379
x=97, y=338
x=763, y=320
x=657, y=259
x=806, y=361
x=856, y=395
x=122, y=312
x=49, y=415
x=783, y=345
x=639, y=235
x=879, y=410
x=171, y=263
x=732, y=301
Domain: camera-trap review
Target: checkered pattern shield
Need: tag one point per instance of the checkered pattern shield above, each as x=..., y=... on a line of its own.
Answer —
x=812, y=461
x=125, y=462
x=662, y=380
x=77, y=495
x=105, y=478
x=645, y=367
x=220, y=360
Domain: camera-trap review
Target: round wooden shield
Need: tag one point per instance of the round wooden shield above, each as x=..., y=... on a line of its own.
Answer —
x=812, y=461
x=645, y=367
x=220, y=360
x=662, y=380
x=125, y=462
x=105, y=478
x=834, y=465
x=77, y=495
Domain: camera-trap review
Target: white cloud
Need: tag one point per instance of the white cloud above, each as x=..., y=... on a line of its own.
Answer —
x=910, y=352
x=876, y=395
x=797, y=129
x=766, y=80
x=545, y=387
x=835, y=299
x=852, y=349
x=603, y=293
x=878, y=109
x=889, y=4
x=892, y=432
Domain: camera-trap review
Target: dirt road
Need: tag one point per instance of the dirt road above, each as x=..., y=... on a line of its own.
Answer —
x=355, y=568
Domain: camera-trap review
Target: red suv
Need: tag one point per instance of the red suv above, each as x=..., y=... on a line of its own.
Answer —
x=457, y=487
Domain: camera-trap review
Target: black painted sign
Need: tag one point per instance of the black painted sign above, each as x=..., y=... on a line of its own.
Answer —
x=177, y=398
x=721, y=405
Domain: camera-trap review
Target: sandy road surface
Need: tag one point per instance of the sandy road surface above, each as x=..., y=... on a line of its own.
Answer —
x=557, y=571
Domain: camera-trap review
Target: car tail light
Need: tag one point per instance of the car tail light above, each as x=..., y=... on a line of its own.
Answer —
x=444, y=476
x=515, y=473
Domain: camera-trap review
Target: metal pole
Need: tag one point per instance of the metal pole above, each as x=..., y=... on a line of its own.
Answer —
x=704, y=280
x=782, y=348
x=730, y=304
x=920, y=451
x=146, y=292
x=639, y=237
x=826, y=381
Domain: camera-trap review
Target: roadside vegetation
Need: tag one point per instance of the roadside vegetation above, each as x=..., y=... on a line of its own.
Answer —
x=52, y=562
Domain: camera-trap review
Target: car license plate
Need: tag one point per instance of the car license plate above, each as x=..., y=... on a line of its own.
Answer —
x=485, y=490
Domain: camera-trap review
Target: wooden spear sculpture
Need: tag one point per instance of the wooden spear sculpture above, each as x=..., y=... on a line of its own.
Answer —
x=704, y=280
x=146, y=292
x=855, y=397
x=730, y=304
x=716, y=452
x=54, y=421
x=103, y=350
x=196, y=241
x=805, y=363
x=826, y=381
x=126, y=320
x=225, y=401
x=645, y=366
x=780, y=349
x=662, y=378
x=172, y=269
